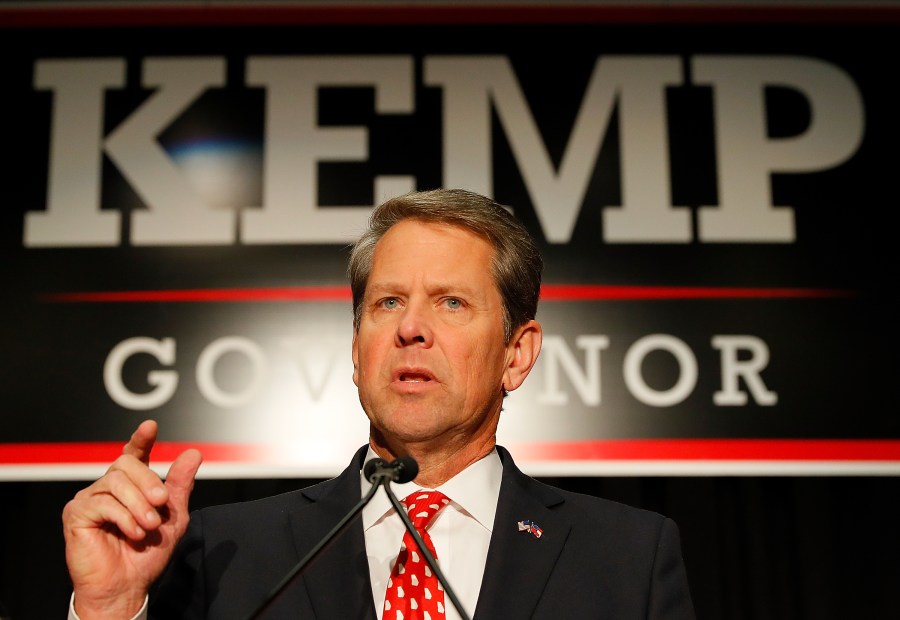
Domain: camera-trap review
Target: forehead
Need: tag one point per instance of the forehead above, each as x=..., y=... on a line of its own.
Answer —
x=432, y=248
x=437, y=234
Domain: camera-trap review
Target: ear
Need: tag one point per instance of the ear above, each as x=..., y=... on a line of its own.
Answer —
x=521, y=354
x=354, y=353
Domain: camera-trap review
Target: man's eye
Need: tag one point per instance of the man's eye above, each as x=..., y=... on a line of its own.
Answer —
x=390, y=303
x=453, y=303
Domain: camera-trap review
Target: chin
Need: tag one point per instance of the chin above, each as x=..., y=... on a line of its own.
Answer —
x=410, y=431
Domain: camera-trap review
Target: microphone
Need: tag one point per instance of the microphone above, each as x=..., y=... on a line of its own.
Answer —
x=400, y=470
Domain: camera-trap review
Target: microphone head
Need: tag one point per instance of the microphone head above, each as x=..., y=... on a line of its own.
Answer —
x=407, y=469
x=371, y=467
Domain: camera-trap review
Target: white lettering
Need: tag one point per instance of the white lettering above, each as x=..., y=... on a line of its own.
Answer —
x=73, y=216
x=164, y=381
x=749, y=369
x=565, y=374
x=206, y=365
x=315, y=362
x=176, y=213
x=474, y=88
x=646, y=214
x=634, y=379
x=747, y=157
x=556, y=354
x=638, y=84
x=295, y=144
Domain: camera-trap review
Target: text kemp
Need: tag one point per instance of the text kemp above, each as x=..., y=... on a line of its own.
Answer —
x=476, y=92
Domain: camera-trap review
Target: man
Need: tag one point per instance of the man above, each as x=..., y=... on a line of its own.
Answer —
x=445, y=288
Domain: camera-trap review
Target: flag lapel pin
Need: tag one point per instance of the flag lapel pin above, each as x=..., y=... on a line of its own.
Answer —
x=527, y=525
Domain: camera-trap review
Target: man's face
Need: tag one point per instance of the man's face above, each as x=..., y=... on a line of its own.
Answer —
x=429, y=356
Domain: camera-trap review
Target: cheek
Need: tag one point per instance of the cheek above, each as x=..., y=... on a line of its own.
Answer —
x=369, y=356
x=485, y=367
x=354, y=355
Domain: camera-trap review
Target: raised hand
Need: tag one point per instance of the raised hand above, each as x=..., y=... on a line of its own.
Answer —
x=121, y=531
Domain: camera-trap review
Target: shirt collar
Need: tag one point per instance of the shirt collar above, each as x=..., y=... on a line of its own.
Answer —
x=474, y=491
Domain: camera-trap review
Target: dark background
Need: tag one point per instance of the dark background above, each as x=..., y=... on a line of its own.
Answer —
x=756, y=548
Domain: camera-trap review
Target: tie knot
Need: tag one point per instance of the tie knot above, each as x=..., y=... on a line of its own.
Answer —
x=423, y=505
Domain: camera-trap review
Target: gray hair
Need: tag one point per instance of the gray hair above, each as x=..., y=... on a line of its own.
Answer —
x=516, y=265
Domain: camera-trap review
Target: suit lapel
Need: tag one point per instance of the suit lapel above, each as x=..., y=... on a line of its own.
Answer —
x=519, y=563
x=342, y=566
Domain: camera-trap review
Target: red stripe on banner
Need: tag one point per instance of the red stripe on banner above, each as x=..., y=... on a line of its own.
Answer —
x=574, y=292
x=714, y=450
x=549, y=292
x=263, y=14
x=292, y=293
x=863, y=450
x=108, y=451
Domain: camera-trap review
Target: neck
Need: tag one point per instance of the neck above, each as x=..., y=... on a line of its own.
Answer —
x=438, y=461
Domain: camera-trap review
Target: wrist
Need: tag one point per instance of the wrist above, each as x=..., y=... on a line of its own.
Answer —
x=122, y=607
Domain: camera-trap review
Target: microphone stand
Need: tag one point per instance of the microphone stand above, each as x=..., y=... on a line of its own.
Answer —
x=379, y=477
x=315, y=551
x=425, y=552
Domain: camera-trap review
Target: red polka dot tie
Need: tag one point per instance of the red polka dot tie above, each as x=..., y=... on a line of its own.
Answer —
x=413, y=591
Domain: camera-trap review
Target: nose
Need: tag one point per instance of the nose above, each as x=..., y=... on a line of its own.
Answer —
x=414, y=327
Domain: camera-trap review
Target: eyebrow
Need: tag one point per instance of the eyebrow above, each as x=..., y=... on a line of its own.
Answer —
x=461, y=290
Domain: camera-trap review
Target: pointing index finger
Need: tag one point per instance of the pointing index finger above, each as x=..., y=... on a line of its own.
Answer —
x=141, y=442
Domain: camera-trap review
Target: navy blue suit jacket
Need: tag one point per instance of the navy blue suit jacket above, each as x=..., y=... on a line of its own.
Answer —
x=595, y=559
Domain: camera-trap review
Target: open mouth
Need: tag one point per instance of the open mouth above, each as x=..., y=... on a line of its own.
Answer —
x=414, y=377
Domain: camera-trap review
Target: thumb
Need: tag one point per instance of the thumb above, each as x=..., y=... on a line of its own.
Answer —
x=180, y=479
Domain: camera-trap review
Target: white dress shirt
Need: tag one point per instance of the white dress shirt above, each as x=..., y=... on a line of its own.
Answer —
x=461, y=533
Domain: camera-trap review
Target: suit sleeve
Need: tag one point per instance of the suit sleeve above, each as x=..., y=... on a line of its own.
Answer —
x=181, y=593
x=670, y=596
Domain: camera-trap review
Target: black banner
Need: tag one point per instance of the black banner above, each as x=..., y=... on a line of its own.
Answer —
x=711, y=192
